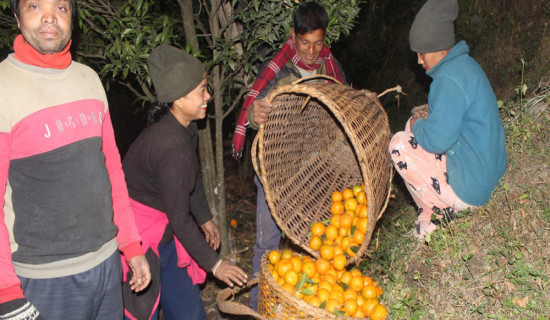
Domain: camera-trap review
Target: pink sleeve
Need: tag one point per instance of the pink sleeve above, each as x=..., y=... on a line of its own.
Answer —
x=128, y=237
x=10, y=286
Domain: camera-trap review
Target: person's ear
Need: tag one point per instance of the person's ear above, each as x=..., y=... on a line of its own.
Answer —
x=17, y=19
x=293, y=34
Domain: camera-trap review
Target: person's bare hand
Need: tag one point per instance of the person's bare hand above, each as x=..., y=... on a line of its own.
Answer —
x=211, y=234
x=231, y=274
x=141, y=275
x=262, y=109
x=420, y=112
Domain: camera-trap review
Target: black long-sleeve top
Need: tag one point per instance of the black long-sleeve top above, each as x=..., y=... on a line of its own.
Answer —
x=163, y=172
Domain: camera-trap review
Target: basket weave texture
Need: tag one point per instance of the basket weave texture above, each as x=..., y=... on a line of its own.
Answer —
x=321, y=137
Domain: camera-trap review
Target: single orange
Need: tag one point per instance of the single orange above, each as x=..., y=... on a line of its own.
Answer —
x=291, y=277
x=361, y=197
x=338, y=250
x=330, y=278
x=346, y=220
x=337, y=295
x=286, y=254
x=331, y=232
x=343, y=231
x=327, y=252
x=362, y=224
x=337, y=207
x=335, y=220
x=323, y=294
x=233, y=222
x=308, y=268
x=296, y=263
x=359, y=313
x=337, y=196
x=315, y=242
x=379, y=313
x=350, y=307
x=314, y=300
x=324, y=284
x=369, y=292
x=318, y=229
x=350, y=204
x=283, y=266
x=356, y=272
x=346, y=241
x=274, y=256
x=346, y=277
x=348, y=193
x=322, y=266
x=358, y=236
x=356, y=283
x=332, y=305
x=369, y=305
x=352, y=249
x=367, y=281
x=339, y=261
x=356, y=189
x=362, y=211
x=350, y=294
x=379, y=290
x=288, y=287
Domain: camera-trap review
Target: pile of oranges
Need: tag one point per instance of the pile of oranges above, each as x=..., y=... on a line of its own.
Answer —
x=344, y=233
x=328, y=285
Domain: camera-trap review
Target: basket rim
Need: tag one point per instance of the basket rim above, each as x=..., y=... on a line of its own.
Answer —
x=314, y=92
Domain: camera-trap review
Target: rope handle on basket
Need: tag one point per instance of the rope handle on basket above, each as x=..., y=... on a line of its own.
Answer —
x=255, y=160
x=233, y=307
x=316, y=77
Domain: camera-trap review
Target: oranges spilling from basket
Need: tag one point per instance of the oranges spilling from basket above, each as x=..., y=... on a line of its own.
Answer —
x=327, y=284
x=345, y=231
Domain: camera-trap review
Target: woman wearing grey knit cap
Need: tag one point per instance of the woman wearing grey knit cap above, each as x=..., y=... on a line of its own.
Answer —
x=451, y=154
x=168, y=200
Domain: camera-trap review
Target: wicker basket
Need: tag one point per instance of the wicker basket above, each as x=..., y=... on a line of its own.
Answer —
x=273, y=301
x=321, y=136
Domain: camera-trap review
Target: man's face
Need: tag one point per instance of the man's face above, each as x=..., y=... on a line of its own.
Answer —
x=45, y=24
x=309, y=45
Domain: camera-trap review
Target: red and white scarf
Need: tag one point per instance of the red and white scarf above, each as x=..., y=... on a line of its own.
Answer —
x=287, y=52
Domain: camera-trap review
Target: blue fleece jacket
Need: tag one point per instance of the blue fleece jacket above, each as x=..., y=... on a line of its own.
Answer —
x=464, y=122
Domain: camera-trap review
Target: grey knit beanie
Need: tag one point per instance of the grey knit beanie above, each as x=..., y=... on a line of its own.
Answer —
x=433, y=27
x=174, y=72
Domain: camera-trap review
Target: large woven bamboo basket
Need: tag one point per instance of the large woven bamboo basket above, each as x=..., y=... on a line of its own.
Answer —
x=273, y=301
x=321, y=136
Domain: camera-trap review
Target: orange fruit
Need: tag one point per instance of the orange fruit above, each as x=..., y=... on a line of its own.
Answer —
x=362, y=224
x=350, y=204
x=291, y=277
x=323, y=294
x=335, y=221
x=296, y=263
x=350, y=294
x=327, y=252
x=313, y=300
x=337, y=208
x=379, y=313
x=361, y=197
x=359, y=313
x=369, y=292
x=315, y=242
x=339, y=261
x=356, y=189
x=346, y=241
x=367, y=281
x=348, y=193
x=274, y=256
x=233, y=222
x=288, y=287
x=346, y=220
x=358, y=236
x=369, y=305
x=346, y=277
x=352, y=249
x=283, y=266
x=356, y=283
x=286, y=254
x=332, y=305
x=308, y=268
x=350, y=307
x=343, y=231
x=362, y=211
x=356, y=272
x=330, y=278
x=331, y=232
x=322, y=266
x=318, y=229
x=338, y=250
x=379, y=290
x=324, y=284
x=337, y=295
x=337, y=196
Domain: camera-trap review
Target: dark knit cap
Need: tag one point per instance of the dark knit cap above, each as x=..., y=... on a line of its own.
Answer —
x=174, y=72
x=433, y=27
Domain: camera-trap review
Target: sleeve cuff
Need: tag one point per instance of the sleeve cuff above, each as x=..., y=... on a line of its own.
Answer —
x=132, y=250
x=11, y=293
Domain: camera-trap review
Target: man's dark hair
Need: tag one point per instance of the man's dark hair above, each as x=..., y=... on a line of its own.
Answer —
x=309, y=17
x=14, y=4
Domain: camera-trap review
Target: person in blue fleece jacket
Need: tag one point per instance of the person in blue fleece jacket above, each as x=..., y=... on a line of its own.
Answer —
x=452, y=153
